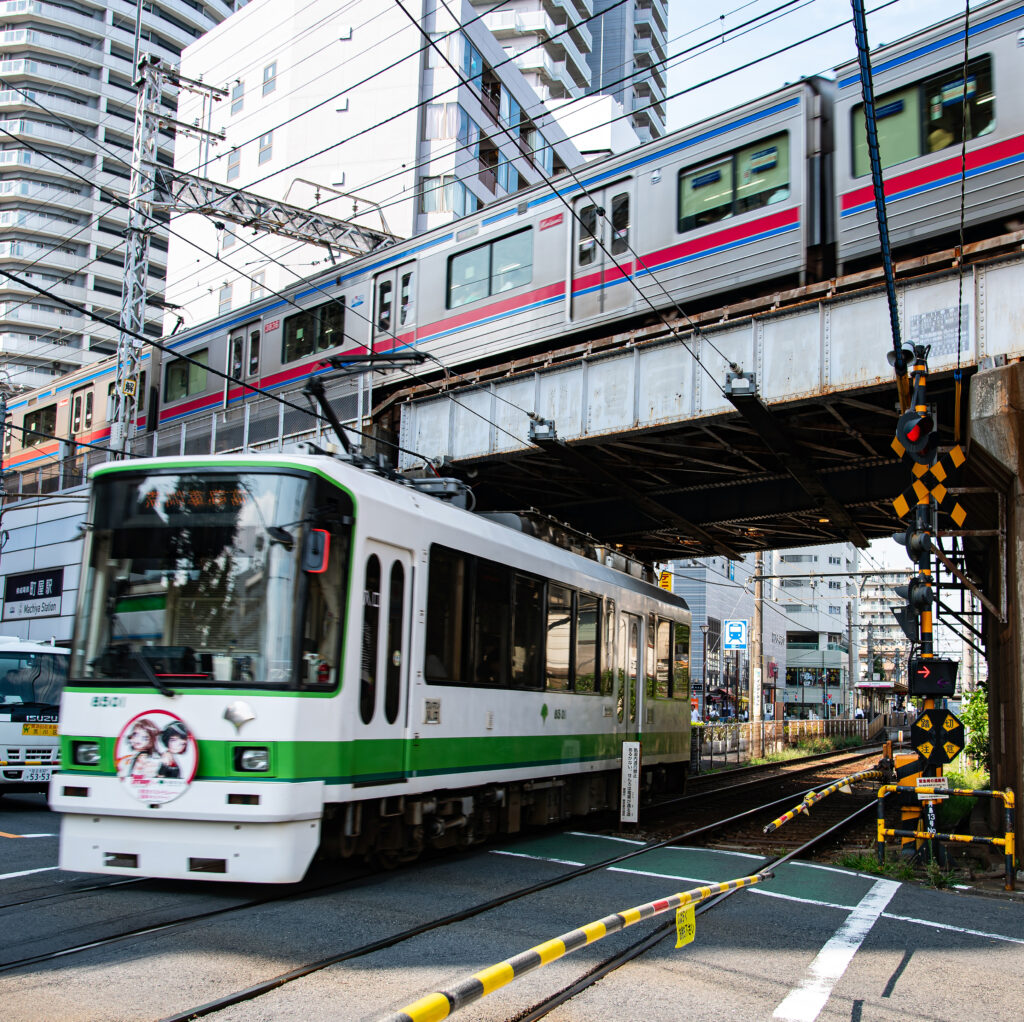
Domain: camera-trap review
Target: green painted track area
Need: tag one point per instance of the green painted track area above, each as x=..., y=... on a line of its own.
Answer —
x=682, y=868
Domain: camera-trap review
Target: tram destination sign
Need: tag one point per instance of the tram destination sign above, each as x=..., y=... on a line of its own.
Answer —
x=33, y=594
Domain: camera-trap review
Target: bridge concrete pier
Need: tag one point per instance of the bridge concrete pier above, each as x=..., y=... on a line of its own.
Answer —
x=997, y=427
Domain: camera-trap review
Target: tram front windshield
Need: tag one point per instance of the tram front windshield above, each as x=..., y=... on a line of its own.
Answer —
x=192, y=579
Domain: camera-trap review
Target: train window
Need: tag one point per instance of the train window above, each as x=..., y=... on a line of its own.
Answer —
x=650, y=664
x=492, y=617
x=254, y=352
x=927, y=116
x=586, y=252
x=681, y=662
x=447, y=608
x=371, y=618
x=663, y=660
x=405, y=299
x=310, y=330
x=384, y=301
x=588, y=659
x=77, y=402
x=36, y=423
x=184, y=377
x=527, y=631
x=490, y=268
x=608, y=651
x=633, y=660
x=393, y=667
x=559, y=638
x=235, y=356
x=620, y=223
x=752, y=177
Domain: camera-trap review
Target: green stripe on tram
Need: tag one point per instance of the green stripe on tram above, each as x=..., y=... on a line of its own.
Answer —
x=381, y=759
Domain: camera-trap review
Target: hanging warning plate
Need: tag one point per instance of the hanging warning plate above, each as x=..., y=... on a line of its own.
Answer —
x=938, y=736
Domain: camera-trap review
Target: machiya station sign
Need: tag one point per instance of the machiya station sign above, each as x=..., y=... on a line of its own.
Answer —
x=33, y=594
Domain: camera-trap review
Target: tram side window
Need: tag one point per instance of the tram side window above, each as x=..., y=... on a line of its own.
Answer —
x=749, y=178
x=491, y=620
x=184, y=377
x=491, y=268
x=681, y=662
x=663, y=659
x=559, y=639
x=650, y=671
x=447, y=605
x=608, y=650
x=371, y=616
x=38, y=422
x=588, y=620
x=527, y=632
x=312, y=330
x=927, y=116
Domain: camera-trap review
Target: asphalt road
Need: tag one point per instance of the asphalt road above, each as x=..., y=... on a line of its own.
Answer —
x=816, y=943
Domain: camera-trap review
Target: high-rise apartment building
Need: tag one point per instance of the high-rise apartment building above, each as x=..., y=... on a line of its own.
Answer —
x=399, y=120
x=628, y=60
x=67, y=113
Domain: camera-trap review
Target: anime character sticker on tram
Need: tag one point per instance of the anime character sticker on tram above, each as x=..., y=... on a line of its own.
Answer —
x=156, y=756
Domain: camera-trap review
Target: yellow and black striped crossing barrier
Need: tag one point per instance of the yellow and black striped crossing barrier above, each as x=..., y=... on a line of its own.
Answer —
x=442, y=1003
x=816, y=796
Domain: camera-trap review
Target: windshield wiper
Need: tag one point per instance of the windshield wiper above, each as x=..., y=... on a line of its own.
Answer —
x=162, y=687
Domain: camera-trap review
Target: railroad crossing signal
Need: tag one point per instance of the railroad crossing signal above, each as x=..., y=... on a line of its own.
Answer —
x=937, y=736
x=931, y=482
x=918, y=596
x=916, y=436
x=933, y=676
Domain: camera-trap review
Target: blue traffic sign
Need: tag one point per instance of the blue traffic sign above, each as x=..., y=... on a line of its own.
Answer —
x=734, y=635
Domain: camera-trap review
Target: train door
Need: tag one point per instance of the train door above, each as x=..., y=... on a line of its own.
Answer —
x=81, y=410
x=243, y=362
x=394, y=307
x=601, y=258
x=627, y=675
x=381, y=753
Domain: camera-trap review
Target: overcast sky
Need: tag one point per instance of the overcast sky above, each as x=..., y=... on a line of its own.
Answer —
x=692, y=23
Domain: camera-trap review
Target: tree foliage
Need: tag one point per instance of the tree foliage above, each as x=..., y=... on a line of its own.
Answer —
x=974, y=714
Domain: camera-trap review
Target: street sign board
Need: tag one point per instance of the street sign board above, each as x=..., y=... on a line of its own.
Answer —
x=734, y=634
x=937, y=736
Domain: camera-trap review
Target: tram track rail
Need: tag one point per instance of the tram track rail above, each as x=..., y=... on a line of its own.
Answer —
x=257, y=990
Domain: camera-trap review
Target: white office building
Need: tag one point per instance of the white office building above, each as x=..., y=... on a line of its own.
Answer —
x=67, y=112
x=378, y=114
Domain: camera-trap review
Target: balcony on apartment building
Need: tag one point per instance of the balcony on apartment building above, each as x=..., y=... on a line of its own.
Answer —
x=646, y=24
x=33, y=14
x=47, y=42
x=560, y=45
x=42, y=72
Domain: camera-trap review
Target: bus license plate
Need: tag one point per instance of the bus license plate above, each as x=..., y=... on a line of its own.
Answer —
x=35, y=774
x=39, y=729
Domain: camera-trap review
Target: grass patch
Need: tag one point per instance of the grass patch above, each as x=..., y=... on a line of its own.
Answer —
x=808, y=747
x=862, y=862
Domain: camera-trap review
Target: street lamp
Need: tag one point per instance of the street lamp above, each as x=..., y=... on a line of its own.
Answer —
x=704, y=671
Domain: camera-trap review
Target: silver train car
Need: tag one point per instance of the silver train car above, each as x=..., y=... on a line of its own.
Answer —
x=919, y=98
x=278, y=655
x=775, y=191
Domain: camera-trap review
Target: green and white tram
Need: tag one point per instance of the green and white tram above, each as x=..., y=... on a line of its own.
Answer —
x=280, y=655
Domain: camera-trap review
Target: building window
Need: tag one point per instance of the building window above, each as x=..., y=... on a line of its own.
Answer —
x=266, y=147
x=234, y=163
x=270, y=78
x=224, y=300
x=446, y=194
x=237, y=97
x=228, y=239
x=258, y=286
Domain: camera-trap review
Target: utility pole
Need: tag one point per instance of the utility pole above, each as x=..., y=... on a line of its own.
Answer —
x=757, y=656
x=142, y=191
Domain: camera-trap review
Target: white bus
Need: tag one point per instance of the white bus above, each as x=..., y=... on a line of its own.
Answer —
x=32, y=676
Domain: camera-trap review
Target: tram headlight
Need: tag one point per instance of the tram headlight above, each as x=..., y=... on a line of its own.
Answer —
x=85, y=753
x=254, y=760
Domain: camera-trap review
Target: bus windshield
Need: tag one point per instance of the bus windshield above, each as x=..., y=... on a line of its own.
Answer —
x=36, y=678
x=192, y=578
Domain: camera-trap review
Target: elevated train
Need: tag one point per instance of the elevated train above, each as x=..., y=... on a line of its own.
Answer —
x=773, y=192
x=278, y=655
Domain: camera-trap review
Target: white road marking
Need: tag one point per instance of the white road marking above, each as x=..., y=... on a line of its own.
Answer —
x=538, y=858
x=26, y=872
x=955, y=929
x=606, y=837
x=804, y=1003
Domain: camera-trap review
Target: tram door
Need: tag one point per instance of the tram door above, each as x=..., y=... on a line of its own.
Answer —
x=394, y=307
x=243, y=362
x=380, y=752
x=627, y=675
x=601, y=258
